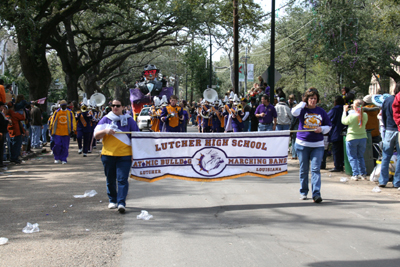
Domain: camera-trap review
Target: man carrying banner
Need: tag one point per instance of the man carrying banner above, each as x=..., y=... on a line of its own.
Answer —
x=266, y=115
x=62, y=124
x=116, y=154
x=171, y=115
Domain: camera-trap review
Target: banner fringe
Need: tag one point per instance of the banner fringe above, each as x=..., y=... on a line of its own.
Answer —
x=207, y=179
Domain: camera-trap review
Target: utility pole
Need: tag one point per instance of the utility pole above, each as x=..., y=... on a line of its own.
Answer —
x=271, y=69
x=245, y=73
x=235, y=47
x=211, y=70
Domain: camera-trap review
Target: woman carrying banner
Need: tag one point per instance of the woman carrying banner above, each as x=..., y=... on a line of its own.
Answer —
x=116, y=154
x=310, y=144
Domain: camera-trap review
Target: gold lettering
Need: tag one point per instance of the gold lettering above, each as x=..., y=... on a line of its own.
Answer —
x=208, y=142
x=263, y=147
x=258, y=146
x=171, y=144
x=240, y=143
x=234, y=142
x=178, y=144
x=252, y=144
x=246, y=143
x=157, y=148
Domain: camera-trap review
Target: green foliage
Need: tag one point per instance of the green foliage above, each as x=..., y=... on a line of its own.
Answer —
x=195, y=61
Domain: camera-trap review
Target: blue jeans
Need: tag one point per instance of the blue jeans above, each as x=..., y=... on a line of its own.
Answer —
x=265, y=127
x=117, y=170
x=16, y=143
x=294, y=151
x=36, y=132
x=355, y=153
x=389, y=143
x=307, y=154
x=193, y=120
x=282, y=127
x=246, y=125
x=44, y=133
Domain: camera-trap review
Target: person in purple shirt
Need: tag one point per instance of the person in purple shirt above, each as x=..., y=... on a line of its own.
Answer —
x=310, y=144
x=266, y=115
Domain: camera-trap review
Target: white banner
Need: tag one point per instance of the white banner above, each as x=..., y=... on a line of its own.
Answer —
x=250, y=72
x=208, y=156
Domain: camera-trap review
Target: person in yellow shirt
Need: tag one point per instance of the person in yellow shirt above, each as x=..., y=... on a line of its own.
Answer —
x=61, y=126
x=116, y=154
x=171, y=115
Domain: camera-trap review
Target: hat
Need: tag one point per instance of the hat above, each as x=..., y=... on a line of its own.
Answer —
x=377, y=100
x=244, y=99
x=368, y=99
x=63, y=102
x=282, y=99
x=253, y=98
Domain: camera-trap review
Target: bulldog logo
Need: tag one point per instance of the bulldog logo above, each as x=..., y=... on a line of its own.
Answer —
x=210, y=161
x=312, y=120
x=62, y=119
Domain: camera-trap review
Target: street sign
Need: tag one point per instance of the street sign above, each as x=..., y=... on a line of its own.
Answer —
x=278, y=76
x=241, y=72
x=250, y=72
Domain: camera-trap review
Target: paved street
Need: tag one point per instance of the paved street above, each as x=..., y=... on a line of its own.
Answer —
x=242, y=222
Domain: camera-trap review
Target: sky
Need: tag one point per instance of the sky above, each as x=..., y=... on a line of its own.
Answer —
x=266, y=6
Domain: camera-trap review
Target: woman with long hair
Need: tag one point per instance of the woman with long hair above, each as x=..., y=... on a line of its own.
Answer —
x=356, y=138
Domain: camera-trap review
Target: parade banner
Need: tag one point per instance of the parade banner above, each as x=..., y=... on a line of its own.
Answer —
x=250, y=72
x=207, y=157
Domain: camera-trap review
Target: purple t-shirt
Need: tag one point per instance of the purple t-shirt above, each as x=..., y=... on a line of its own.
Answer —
x=311, y=119
x=270, y=113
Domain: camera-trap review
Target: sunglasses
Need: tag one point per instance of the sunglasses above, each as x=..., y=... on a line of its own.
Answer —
x=116, y=106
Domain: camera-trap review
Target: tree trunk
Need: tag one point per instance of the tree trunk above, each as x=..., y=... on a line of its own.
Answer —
x=36, y=70
x=72, y=79
x=191, y=87
x=90, y=83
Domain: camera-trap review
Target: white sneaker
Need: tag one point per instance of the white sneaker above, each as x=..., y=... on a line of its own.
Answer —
x=64, y=162
x=56, y=161
x=355, y=178
x=94, y=147
x=112, y=205
x=121, y=208
x=84, y=154
x=362, y=177
x=303, y=197
x=80, y=151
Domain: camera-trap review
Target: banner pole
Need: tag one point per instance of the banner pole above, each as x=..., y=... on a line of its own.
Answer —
x=292, y=131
